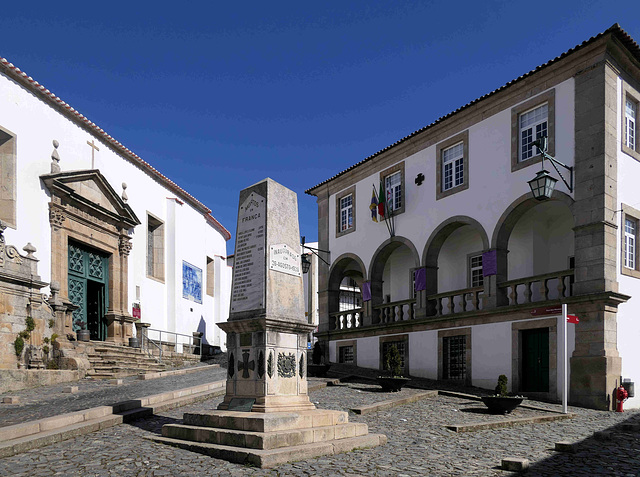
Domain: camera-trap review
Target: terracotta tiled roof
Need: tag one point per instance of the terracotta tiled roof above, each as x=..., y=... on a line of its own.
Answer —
x=43, y=93
x=615, y=30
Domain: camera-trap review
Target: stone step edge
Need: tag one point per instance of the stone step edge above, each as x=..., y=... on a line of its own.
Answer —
x=175, y=372
x=507, y=422
x=320, y=434
x=379, y=406
x=157, y=402
x=266, y=459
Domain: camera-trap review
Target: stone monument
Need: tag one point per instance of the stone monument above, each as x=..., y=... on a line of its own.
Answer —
x=266, y=417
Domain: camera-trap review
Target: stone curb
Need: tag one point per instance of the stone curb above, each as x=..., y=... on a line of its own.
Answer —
x=30, y=435
x=507, y=423
x=175, y=372
x=379, y=406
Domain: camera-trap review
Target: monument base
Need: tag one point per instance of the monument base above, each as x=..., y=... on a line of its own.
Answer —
x=269, y=439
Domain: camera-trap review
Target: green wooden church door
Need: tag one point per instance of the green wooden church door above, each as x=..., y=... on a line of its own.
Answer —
x=88, y=289
x=535, y=360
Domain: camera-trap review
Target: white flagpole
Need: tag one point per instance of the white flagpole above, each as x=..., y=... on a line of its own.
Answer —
x=565, y=358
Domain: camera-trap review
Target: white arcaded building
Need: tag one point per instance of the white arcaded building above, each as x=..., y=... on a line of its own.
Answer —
x=470, y=283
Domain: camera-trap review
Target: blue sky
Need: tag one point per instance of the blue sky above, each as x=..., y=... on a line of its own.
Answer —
x=220, y=95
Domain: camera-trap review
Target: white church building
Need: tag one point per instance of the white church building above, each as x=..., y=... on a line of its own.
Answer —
x=468, y=275
x=116, y=241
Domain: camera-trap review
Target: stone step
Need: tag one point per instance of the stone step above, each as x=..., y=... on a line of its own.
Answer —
x=267, y=458
x=266, y=422
x=264, y=440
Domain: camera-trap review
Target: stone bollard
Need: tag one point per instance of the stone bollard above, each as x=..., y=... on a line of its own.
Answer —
x=10, y=400
x=70, y=389
x=565, y=446
x=515, y=464
x=116, y=382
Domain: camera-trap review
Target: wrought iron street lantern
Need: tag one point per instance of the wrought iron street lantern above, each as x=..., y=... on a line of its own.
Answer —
x=543, y=184
x=306, y=263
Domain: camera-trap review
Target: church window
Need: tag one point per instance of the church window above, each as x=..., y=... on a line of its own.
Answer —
x=155, y=248
x=8, y=178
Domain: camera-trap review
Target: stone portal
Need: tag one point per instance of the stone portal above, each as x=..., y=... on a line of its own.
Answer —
x=266, y=417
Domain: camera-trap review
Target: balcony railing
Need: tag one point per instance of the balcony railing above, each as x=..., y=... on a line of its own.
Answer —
x=456, y=301
x=394, y=311
x=550, y=286
x=344, y=320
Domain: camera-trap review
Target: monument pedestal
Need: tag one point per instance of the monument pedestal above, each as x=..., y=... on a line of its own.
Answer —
x=266, y=417
x=269, y=439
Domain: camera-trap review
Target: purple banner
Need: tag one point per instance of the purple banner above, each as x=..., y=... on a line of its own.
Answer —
x=489, y=263
x=366, y=291
x=420, y=279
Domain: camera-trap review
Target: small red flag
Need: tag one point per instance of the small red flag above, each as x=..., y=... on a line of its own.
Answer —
x=573, y=319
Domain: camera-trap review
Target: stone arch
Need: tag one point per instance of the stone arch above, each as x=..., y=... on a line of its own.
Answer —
x=379, y=260
x=340, y=268
x=442, y=232
x=516, y=210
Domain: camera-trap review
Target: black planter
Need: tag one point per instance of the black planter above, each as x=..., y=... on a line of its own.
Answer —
x=502, y=404
x=318, y=370
x=390, y=384
x=83, y=335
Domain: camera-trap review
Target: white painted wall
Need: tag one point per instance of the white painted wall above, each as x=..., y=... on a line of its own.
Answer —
x=628, y=313
x=423, y=354
x=396, y=279
x=188, y=236
x=369, y=352
x=490, y=354
x=453, y=258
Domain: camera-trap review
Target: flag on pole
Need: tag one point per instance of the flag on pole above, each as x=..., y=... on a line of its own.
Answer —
x=381, y=201
x=374, y=205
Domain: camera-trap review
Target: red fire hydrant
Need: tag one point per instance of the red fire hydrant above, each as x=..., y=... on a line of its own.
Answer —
x=621, y=396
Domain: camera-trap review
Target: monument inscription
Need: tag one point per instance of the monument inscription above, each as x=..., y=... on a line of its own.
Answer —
x=283, y=259
x=248, y=267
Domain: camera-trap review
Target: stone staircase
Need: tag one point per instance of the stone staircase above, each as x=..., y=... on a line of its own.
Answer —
x=108, y=360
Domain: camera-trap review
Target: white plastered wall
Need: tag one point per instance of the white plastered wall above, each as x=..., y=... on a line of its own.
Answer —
x=629, y=312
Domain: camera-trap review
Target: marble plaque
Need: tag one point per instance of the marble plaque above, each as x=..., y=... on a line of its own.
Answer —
x=249, y=264
x=283, y=259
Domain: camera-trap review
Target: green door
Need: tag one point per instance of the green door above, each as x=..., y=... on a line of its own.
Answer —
x=88, y=289
x=535, y=360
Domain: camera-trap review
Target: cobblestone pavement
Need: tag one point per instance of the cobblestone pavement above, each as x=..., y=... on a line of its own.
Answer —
x=418, y=444
x=38, y=403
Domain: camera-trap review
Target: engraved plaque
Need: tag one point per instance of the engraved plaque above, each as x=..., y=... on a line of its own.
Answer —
x=249, y=264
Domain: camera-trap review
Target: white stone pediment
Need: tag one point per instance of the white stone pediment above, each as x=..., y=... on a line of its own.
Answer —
x=90, y=191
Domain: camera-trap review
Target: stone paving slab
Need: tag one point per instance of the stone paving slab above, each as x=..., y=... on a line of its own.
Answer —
x=418, y=445
x=43, y=402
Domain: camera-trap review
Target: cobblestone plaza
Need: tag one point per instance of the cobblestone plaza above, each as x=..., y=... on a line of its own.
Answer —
x=419, y=443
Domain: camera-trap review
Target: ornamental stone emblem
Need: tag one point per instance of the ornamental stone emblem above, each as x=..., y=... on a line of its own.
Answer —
x=286, y=365
x=56, y=217
x=125, y=246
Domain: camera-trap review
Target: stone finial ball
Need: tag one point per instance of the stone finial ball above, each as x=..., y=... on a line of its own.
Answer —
x=124, y=185
x=56, y=143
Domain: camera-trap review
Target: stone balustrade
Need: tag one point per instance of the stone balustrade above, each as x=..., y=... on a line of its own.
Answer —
x=455, y=301
x=346, y=319
x=550, y=286
x=394, y=311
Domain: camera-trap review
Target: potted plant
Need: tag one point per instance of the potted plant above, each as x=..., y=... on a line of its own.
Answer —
x=83, y=334
x=393, y=363
x=318, y=368
x=501, y=402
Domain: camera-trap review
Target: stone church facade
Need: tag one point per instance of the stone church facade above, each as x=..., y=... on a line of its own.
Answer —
x=111, y=240
x=469, y=281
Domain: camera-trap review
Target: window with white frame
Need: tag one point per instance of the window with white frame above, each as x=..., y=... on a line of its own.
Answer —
x=630, y=122
x=346, y=212
x=453, y=166
x=533, y=125
x=393, y=186
x=630, y=240
x=476, y=278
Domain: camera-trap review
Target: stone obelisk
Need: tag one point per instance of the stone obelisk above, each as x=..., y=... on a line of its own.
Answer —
x=267, y=329
x=266, y=417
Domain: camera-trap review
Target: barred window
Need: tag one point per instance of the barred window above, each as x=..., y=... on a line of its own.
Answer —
x=454, y=361
x=345, y=354
x=386, y=346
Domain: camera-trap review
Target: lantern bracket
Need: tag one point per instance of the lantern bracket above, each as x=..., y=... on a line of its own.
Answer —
x=541, y=144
